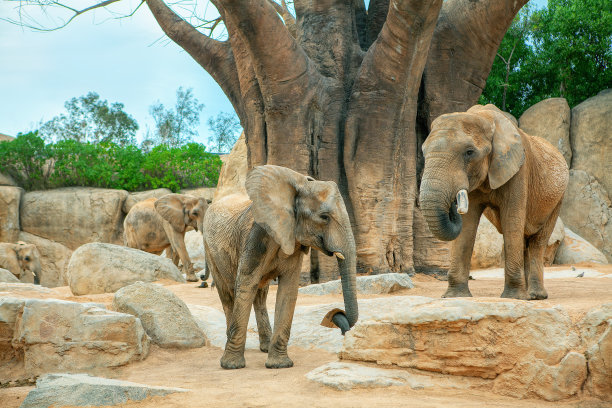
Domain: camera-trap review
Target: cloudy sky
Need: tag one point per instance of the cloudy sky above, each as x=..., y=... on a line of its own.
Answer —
x=121, y=60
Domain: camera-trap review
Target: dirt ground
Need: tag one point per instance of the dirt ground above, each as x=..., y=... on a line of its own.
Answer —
x=255, y=386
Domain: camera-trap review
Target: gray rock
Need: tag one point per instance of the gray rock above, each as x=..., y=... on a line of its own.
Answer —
x=139, y=196
x=10, y=201
x=106, y=268
x=575, y=249
x=164, y=316
x=84, y=390
x=22, y=287
x=7, y=277
x=366, y=285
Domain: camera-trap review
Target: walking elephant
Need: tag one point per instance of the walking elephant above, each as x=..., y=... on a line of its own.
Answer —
x=19, y=258
x=159, y=224
x=252, y=240
x=479, y=161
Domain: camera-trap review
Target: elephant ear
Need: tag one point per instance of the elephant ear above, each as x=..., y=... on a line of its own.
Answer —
x=273, y=190
x=171, y=208
x=507, y=150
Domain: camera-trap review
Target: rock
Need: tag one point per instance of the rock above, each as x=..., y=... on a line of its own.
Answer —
x=139, y=196
x=7, y=276
x=10, y=200
x=233, y=172
x=81, y=390
x=587, y=210
x=554, y=242
x=206, y=193
x=194, y=242
x=104, y=268
x=508, y=341
x=575, y=249
x=367, y=285
x=20, y=287
x=550, y=119
x=164, y=316
x=53, y=335
x=590, y=138
x=488, y=246
x=54, y=258
x=74, y=216
x=346, y=376
x=596, y=331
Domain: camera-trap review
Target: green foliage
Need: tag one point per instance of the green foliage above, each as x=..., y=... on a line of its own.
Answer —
x=106, y=165
x=567, y=52
x=90, y=119
x=225, y=129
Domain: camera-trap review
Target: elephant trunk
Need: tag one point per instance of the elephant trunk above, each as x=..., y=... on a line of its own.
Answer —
x=440, y=209
x=347, y=266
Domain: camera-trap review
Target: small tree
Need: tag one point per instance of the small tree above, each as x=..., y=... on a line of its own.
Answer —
x=90, y=119
x=175, y=127
x=225, y=129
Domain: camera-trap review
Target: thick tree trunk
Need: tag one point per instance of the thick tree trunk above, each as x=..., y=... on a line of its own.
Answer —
x=348, y=94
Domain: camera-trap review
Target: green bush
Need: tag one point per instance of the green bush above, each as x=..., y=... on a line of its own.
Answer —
x=27, y=159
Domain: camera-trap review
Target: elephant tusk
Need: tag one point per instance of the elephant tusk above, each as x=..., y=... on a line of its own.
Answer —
x=462, y=202
x=339, y=255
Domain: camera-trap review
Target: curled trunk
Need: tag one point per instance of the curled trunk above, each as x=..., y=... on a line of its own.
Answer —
x=441, y=215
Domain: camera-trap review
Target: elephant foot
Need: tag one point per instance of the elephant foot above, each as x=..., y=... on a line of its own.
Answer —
x=457, y=291
x=264, y=345
x=192, y=278
x=203, y=285
x=278, y=361
x=538, y=293
x=232, y=361
x=515, y=293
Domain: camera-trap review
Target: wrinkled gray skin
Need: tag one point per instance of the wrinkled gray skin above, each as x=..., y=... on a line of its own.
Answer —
x=252, y=241
x=20, y=258
x=517, y=180
x=159, y=224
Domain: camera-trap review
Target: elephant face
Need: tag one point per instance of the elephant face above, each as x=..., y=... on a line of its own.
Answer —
x=182, y=211
x=463, y=152
x=29, y=259
x=297, y=210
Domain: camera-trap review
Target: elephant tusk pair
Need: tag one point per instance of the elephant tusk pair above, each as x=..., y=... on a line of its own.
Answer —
x=339, y=255
x=462, y=202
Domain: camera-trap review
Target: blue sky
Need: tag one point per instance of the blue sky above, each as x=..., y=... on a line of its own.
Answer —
x=121, y=60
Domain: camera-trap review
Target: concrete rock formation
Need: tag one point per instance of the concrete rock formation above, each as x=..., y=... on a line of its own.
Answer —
x=139, y=196
x=105, y=268
x=596, y=332
x=575, y=249
x=233, y=172
x=7, y=276
x=10, y=200
x=54, y=258
x=366, y=285
x=54, y=335
x=206, y=193
x=82, y=390
x=165, y=317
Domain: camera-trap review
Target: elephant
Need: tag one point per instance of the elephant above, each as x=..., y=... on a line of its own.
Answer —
x=19, y=258
x=254, y=239
x=479, y=161
x=159, y=224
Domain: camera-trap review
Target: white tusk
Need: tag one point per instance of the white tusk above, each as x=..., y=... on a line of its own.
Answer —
x=339, y=255
x=462, y=202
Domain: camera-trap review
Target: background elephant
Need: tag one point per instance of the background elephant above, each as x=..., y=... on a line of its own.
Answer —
x=159, y=224
x=19, y=258
x=481, y=158
x=250, y=242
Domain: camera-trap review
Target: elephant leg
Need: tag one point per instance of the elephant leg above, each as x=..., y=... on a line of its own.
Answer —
x=461, y=254
x=514, y=252
x=286, y=296
x=177, y=241
x=263, y=321
x=535, y=250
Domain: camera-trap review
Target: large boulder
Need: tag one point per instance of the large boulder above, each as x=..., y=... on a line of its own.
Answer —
x=366, y=285
x=507, y=341
x=164, y=316
x=206, y=193
x=575, y=249
x=7, y=276
x=596, y=331
x=106, y=268
x=10, y=199
x=75, y=216
x=83, y=390
x=233, y=172
x=587, y=211
x=550, y=119
x=53, y=335
x=194, y=243
x=54, y=258
x=139, y=196
x=590, y=137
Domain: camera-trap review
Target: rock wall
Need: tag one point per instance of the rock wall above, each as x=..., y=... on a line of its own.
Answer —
x=10, y=201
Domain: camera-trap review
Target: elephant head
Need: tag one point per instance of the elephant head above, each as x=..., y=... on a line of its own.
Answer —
x=182, y=211
x=464, y=151
x=297, y=211
x=29, y=259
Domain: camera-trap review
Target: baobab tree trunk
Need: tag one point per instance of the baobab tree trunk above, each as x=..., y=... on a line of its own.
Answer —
x=348, y=94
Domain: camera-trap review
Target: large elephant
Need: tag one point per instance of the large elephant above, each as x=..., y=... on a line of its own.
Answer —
x=159, y=224
x=19, y=258
x=252, y=240
x=479, y=161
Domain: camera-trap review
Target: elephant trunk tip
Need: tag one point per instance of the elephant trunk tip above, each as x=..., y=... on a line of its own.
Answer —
x=337, y=318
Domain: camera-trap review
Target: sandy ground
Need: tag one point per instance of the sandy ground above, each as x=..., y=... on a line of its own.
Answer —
x=255, y=386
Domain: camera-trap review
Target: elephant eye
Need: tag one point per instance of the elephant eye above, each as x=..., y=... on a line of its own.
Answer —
x=469, y=153
x=27, y=258
x=324, y=217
